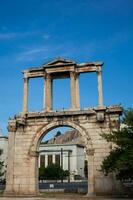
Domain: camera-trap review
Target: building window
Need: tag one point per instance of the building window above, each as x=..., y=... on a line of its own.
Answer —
x=57, y=159
x=1, y=152
x=42, y=160
x=50, y=159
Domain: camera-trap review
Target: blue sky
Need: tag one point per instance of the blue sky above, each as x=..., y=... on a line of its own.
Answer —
x=33, y=32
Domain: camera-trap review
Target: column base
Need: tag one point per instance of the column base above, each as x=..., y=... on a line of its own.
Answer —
x=90, y=195
x=23, y=192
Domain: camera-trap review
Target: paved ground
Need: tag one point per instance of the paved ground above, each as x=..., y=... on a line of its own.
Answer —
x=74, y=197
x=33, y=198
x=61, y=196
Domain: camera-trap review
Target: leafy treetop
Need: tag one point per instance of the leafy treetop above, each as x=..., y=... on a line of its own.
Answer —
x=120, y=159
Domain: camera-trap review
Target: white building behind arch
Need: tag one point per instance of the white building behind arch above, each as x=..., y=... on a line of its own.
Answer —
x=70, y=156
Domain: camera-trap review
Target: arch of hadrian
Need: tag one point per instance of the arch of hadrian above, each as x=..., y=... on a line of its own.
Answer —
x=27, y=129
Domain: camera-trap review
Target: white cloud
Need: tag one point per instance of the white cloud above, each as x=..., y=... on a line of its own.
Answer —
x=31, y=53
x=46, y=36
x=69, y=50
x=7, y=36
x=16, y=35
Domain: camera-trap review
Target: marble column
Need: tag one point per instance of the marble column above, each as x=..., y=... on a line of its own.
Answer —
x=10, y=167
x=48, y=92
x=91, y=181
x=74, y=90
x=46, y=160
x=53, y=158
x=39, y=161
x=25, y=98
x=77, y=92
x=44, y=93
x=73, y=93
x=100, y=95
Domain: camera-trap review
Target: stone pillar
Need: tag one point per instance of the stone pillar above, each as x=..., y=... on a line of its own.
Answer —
x=44, y=93
x=100, y=95
x=25, y=98
x=39, y=161
x=46, y=160
x=91, y=181
x=73, y=102
x=10, y=164
x=77, y=92
x=48, y=92
x=53, y=158
x=74, y=90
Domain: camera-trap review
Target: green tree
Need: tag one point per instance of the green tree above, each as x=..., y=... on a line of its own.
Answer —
x=120, y=159
x=52, y=172
x=65, y=173
x=1, y=169
x=86, y=168
x=41, y=172
x=58, y=134
x=128, y=117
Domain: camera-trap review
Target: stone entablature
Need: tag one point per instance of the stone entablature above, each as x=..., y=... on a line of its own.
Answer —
x=21, y=118
x=61, y=65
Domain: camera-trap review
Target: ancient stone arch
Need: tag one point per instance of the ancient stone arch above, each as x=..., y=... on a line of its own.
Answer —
x=45, y=129
x=27, y=128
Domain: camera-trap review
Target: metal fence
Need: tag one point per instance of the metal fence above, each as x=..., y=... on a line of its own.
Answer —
x=66, y=186
x=79, y=187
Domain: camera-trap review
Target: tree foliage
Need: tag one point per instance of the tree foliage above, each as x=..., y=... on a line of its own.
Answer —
x=120, y=159
x=1, y=169
x=52, y=172
x=128, y=117
x=58, y=134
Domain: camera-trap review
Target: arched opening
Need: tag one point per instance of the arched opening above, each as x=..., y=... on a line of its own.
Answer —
x=62, y=146
x=69, y=155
